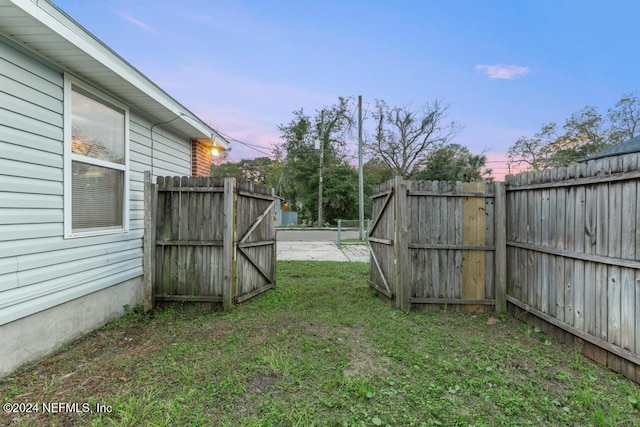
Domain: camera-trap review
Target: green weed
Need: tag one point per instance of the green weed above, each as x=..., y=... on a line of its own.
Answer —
x=320, y=350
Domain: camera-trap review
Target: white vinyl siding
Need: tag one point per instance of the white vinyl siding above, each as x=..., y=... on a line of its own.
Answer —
x=39, y=268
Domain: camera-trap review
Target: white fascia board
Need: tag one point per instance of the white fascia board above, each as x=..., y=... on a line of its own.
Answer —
x=50, y=16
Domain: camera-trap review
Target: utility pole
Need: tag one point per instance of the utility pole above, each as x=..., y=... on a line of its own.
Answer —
x=360, y=171
x=321, y=167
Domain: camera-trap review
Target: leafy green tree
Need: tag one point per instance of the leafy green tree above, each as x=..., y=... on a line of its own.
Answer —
x=340, y=194
x=584, y=133
x=330, y=127
x=453, y=162
x=404, y=138
x=227, y=169
x=254, y=170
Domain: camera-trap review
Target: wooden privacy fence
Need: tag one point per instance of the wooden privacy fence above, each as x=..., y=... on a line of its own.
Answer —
x=558, y=248
x=208, y=240
x=573, y=256
x=439, y=244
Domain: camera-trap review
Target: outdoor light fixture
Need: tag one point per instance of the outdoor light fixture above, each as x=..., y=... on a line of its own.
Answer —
x=215, y=152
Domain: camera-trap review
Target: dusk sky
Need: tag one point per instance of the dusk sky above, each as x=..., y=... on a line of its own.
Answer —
x=505, y=67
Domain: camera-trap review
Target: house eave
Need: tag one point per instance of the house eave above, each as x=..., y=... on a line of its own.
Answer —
x=48, y=32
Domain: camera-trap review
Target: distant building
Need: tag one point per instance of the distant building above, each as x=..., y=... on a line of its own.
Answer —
x=284, y=216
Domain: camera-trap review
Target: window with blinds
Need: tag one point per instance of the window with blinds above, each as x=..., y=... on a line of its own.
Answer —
x=98, y=163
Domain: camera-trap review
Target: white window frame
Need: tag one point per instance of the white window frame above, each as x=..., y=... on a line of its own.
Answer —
x=70, y=83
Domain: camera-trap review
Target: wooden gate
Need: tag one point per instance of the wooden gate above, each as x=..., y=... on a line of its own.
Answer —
x=439, y=244
x=209, y=240
x=256, y=248
x=381, y=240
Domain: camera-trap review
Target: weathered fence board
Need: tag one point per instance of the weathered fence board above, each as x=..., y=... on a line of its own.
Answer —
x=442, y=234
x=213, y=239
x=573, y=254
x=185, y=245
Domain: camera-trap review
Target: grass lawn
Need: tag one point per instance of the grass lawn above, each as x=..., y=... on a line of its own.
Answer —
x=321, y=349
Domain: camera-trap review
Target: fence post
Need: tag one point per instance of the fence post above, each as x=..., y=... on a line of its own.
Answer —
x=500, y=257
x=274, y=254
x=228, y=243
x=401, y=245
x=149, y=241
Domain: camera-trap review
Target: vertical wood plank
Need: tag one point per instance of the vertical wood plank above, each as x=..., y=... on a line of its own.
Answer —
x=419, y=208
x=602, y=248
x=489, y=240
x=434, y=210
x=591, y=205
x=403, y=285
x=149, y=242
x=636, y=285
x=442, y=238
x=570, y=245
x=544, y=242
x=274, y=249
x=578, y=272
x=500, y=258
x=458, y=283
x=553, y=243
x=228, y=260
x=628, y=251
x=427, y=235
x=511, y=236
x=451, y=239
x=560, y=223
x=614, y=250
x=473, y=262
x=529, y=276
x=522, y=224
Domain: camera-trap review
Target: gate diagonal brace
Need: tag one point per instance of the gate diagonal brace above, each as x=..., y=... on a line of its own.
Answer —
x=257, y=222
x=384, y=206
x=246, y=236
x=257, y=266
x=375, y=260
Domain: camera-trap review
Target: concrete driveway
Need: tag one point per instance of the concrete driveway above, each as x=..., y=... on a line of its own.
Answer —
x=293, y=245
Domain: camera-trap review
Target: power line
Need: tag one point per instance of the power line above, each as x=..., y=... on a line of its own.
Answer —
x=255, y=147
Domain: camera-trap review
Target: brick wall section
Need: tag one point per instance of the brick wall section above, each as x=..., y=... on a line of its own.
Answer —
x=200, y=159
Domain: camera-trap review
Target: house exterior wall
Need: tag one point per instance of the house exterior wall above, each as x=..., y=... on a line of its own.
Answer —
x=200, y=159
x=39, y=268
x=34, y=337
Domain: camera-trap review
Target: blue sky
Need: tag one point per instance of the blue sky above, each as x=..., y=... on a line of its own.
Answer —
x=505, y=67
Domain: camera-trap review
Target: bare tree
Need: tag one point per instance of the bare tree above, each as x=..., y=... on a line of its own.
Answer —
x=533, y=152
x=625, y=118
x=404, y=138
